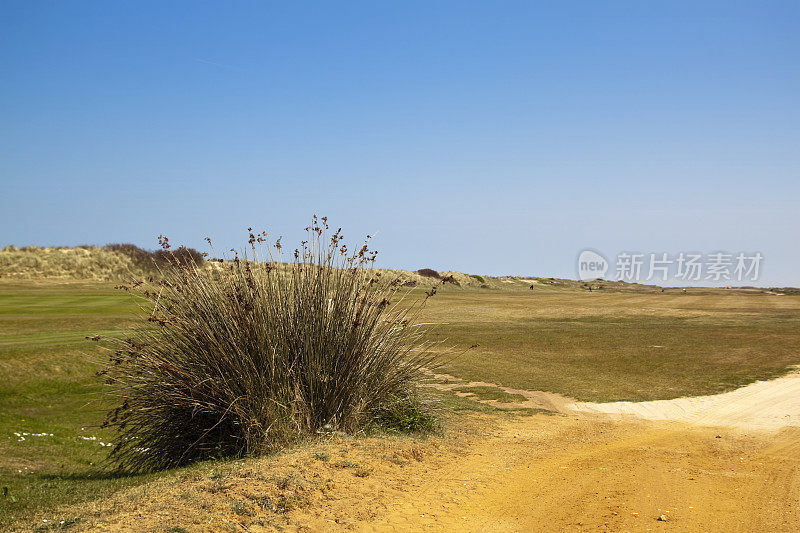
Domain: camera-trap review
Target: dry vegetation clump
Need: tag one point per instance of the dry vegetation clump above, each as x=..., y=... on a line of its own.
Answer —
x=429, y=273
x=141, y=258
x=148, y=261
x=180, y=256
x=254, y=354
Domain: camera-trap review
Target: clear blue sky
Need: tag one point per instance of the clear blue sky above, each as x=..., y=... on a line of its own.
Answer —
x=491, y=137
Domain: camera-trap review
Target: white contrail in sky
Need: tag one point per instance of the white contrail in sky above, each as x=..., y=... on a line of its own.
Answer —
x=221, y=65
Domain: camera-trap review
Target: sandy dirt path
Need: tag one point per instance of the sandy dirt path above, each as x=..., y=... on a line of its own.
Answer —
x=723, y=463
x=592, y=475
x=764, y=405
x=537, y=473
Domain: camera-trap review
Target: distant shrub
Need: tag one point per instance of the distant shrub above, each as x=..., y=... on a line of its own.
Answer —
x=143, y=259
x=181, y=256
x=248, y=357
x=477, y=277
x=784, y=290
x=147, y=260
x=429, y=273
x=450, y=279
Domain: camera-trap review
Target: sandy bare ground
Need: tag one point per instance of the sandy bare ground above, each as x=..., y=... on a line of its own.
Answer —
x=533, y=399
x=573, y=475
x=537, y=473
x=764, y=405
x=729, y=462
x=726, y=462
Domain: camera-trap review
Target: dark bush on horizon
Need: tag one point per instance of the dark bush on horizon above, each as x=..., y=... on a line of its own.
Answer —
x=139, y=257
x=181, y=256
x=252, y=354
x=429, y=273
x=147, y=260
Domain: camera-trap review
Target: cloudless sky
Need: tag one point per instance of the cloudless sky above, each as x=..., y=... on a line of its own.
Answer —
x=486, y=137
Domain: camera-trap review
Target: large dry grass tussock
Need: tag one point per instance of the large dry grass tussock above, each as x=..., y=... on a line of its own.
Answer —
x=256, y=353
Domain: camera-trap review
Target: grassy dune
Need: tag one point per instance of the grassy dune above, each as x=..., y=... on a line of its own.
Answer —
x=618, y=344
x=90, y=262
x=115, y=262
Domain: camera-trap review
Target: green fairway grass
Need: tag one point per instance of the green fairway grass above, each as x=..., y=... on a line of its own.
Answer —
x=600, y=345
x=48, y=387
